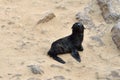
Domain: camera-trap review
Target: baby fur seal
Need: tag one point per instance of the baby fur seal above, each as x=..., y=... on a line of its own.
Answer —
x=70, y=44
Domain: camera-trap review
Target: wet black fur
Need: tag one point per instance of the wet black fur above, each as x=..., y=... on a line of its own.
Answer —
x=70, y=44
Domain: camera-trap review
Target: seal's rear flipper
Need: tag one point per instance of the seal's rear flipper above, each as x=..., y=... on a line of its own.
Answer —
x=76, y=55
x=58, y=59
x=55, y=57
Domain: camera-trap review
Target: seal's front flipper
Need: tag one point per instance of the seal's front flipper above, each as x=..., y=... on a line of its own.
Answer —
x=76, y=55
x=80, y=48
x=58, y=59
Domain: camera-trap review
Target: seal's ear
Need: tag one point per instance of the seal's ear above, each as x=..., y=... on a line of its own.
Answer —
x=74, y=26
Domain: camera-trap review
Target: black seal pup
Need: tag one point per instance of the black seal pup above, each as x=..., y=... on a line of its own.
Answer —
x=70, y=44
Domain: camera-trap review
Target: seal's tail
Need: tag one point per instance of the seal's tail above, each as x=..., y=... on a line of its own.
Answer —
x=55, y=57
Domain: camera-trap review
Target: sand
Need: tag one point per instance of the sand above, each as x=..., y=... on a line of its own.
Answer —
x=24, y=43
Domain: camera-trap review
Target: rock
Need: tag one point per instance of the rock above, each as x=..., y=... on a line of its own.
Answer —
x=40, y=60
x=101, y=30
x=101, y=76
x=49, y=79
x=36, y=69
x=85, y=19
x=3, y=26
x=91, y=7
x=22, y=63
x=68, y=70
x=56, y=66
x=33, y=79
x=9, y=74
x=47, y=16
x=115, y=74
x=61, y=6
x=16, y=77
x=59, y=77
x=97, y=39
x=1, y=77
x=116, y=34
x=108, y=12
x=10, y=23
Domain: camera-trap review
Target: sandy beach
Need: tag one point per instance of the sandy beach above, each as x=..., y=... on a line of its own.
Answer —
x=24, y=43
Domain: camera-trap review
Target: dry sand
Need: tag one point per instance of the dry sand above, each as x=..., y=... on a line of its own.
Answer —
x=23, y=43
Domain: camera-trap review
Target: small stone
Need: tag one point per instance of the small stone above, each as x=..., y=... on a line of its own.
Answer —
x=61, y=7
x=40, y=60
x=59, y=77
x=101, y=77
x=116, y=34
x=33, y=79
x=47, y=16
x=3, y=26
x=68, y=70
x=49, y=79
x=56, y=66
x=10, y=23
x=16, y=77
x=22, y=63
x=1, y=77
x=36, y=69
x=9, y=74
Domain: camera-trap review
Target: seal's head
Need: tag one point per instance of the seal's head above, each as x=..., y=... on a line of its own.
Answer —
x=78, y=27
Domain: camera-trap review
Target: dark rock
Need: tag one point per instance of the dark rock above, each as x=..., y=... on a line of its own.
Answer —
x=85, y=19
x=116, y=34
x=36, y=69
x=47, y=16
x=107, y=11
